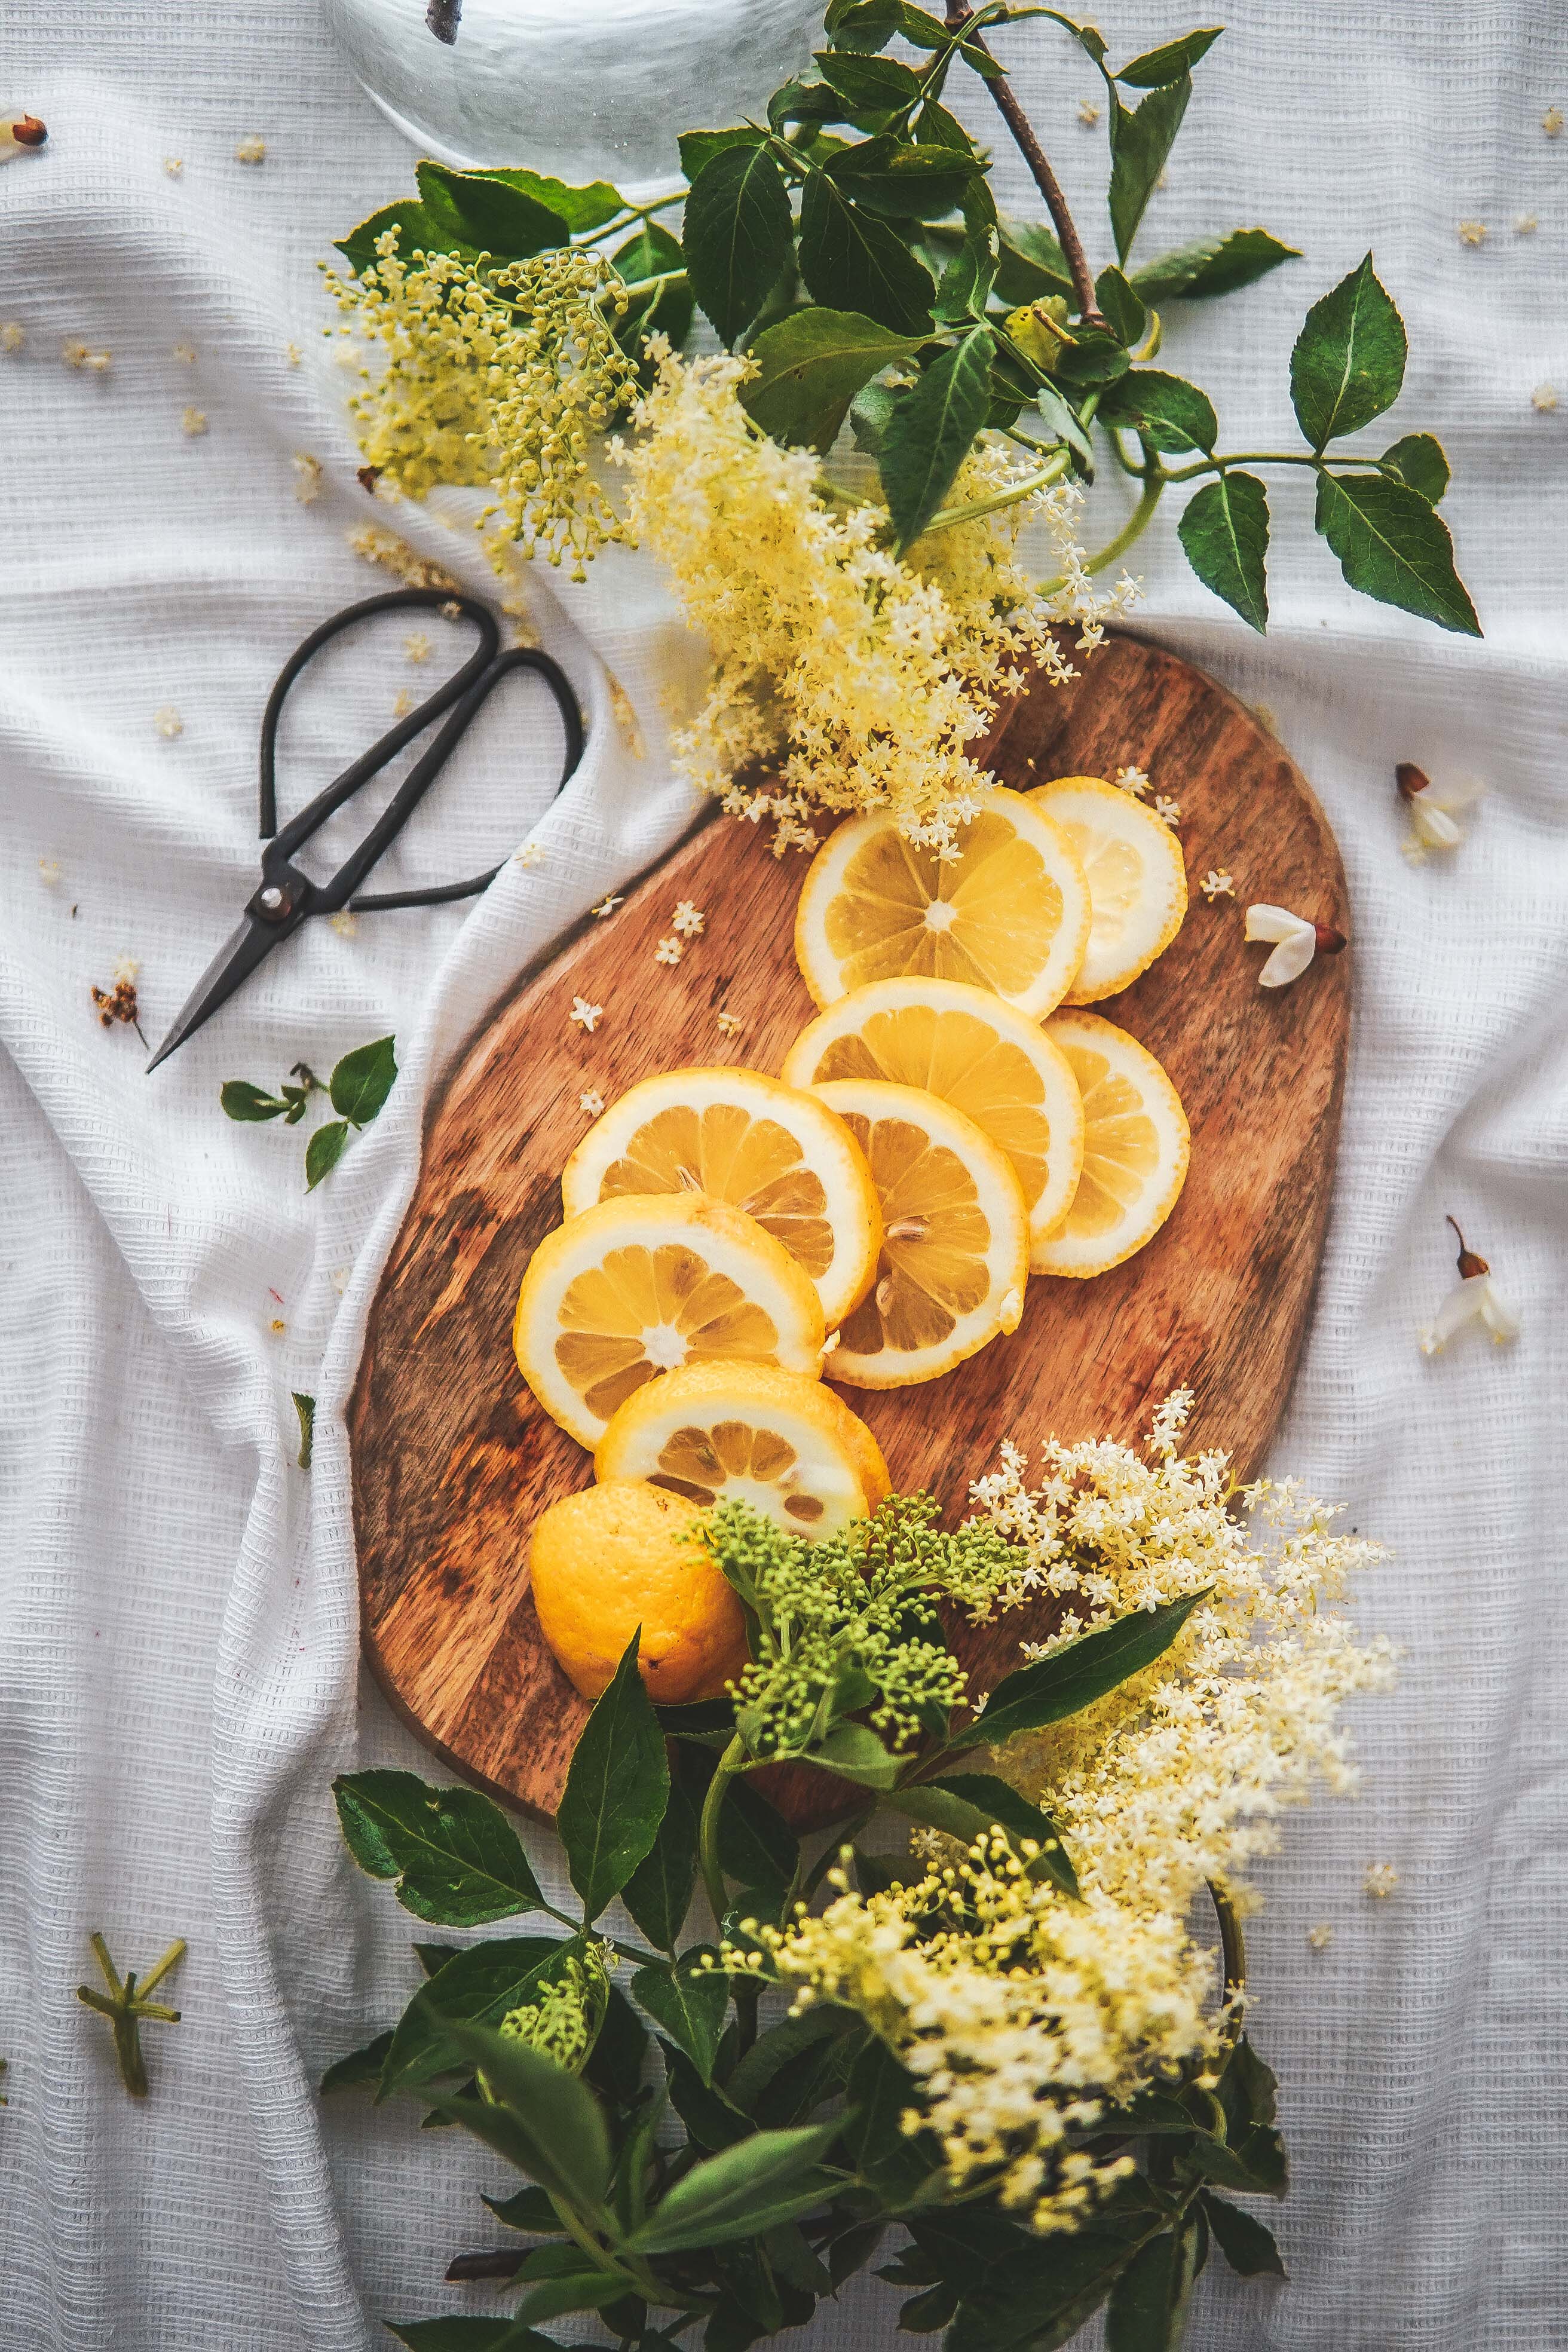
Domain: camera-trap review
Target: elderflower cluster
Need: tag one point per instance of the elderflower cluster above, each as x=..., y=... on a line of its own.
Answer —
x=843, y=677
x=501, y=376
x=564, y=2017
x=857, y=1601
x=1021, y=2013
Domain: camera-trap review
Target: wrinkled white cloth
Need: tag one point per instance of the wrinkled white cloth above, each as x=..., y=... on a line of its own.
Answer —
x=178, y=1645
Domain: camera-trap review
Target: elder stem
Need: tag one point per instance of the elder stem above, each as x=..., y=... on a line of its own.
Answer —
x=731, y=1763
x=975, y=508
x=1266, y=458
x=1045, y=179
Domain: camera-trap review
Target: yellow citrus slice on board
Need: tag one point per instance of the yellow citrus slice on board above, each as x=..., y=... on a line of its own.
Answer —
x=1010, y=912
x=991, y=1063
x=1135, y=1148
x=955, y=1238
x=1137, y=880
x=752, y=1433
x=603, y=1562
x=749, y=1139
x=639, y=1284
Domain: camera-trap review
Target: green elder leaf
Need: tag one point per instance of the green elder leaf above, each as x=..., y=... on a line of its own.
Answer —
x=363, y=1080
x=810, y=367
x=1349, y=361
x=360, y=2067
x=239, y=1099
x=455, y=1856
x=1247, y=2244
x=856, y=1752
x=558, y=2124
x=871, y=85
x=714, y=2200
x=324, y=1150
x=700, y=147
x=1212, y=265
x=737, y=234
x=850, y=260
x=1140, y=142
x=418, y=232
x=658, y=1892
x=1224, y=533
x=929, y=434
x=1169, y=412
x=904, y=181
x=1423, y=465
x=1168, y=63
x=1393, y=545
x=481, y=210
x=864, y=26
x=1074, y=1677
x=1148, y=2307
x=689, y=2001
x=480, y=1985
x=968, y=1805
x=1031, y=262
x=757, y=1848
x=618, y=1786
x=584, y=208
x=1121, y=305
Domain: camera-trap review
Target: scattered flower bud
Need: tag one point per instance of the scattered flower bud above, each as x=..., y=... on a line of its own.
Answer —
x=1296, y=942
x=1472, y=232
x=588, y=1015
x=18, y=134
x=1544, y=398
x=195, y=423
x=251, y=150
x=1552, y=121
x=1321, y=1936
x=175, y=166
x=1433, y=810
x=591, y=1101
x=1474, y=1296
x=12, y=335
x=1380, y=1879
x=168, y=722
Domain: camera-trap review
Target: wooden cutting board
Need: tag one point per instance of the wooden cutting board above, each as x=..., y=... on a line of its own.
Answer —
x=453, y=1459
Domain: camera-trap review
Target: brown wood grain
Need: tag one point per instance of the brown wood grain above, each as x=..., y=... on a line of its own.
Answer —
x=453, y=1458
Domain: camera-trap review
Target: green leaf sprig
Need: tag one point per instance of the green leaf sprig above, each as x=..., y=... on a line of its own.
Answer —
x=848, y=240
x=357, y=1090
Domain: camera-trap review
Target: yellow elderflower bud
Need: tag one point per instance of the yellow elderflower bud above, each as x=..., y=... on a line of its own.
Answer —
x=495, y=376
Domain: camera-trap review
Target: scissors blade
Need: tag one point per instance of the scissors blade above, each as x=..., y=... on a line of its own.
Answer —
x=235, y=962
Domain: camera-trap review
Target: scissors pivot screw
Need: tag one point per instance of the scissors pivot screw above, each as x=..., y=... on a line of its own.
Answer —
x=273, y=903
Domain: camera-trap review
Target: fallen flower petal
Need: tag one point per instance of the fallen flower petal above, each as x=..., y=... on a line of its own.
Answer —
x=1296, y=943
x=1475, y=1298
x=1434, y=808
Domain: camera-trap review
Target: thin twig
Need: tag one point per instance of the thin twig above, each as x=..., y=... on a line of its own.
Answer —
x=1045, y=179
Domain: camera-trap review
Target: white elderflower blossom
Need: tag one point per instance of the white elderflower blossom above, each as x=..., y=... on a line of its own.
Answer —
x=1026, y=2014
x=587, y=1016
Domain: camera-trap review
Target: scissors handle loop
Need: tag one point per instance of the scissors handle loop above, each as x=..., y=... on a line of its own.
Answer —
x=287, y=893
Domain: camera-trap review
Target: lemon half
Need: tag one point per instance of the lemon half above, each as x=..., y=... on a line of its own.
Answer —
x=753, y=1434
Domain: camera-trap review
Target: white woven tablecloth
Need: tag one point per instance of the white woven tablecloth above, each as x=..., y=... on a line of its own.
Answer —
x=178, y=1658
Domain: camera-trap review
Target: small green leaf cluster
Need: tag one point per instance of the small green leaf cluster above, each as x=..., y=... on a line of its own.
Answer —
x=357, y=1089
x=851, y=244
x=693, y=2162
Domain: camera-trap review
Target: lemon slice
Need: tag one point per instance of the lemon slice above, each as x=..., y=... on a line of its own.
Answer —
x=752, y=1433
x=1135, y=1148
x=754, y=1142
x=994, y=1063
x=1010, y=912
x=638, y=1285
x=955, y=1241
x=1137, y=880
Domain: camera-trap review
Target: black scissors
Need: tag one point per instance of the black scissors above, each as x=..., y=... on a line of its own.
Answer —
x=285, y=896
